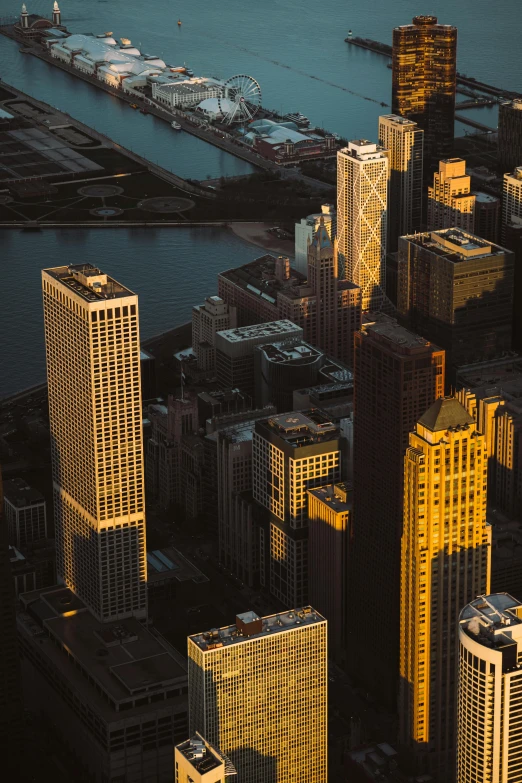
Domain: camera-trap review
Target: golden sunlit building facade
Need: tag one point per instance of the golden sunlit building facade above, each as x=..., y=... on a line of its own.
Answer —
x=450, y=201
x=445, y=563
x=93, y=372
x=362, y=199
x=258, y=692
x=424, y=72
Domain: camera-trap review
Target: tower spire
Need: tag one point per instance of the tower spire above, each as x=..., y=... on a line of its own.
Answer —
x=57, y=15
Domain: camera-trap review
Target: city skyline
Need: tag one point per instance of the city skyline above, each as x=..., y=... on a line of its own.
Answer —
x=327, y=452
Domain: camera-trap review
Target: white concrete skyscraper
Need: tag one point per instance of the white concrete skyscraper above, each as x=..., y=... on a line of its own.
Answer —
x=404, y=142
x=489, y=717
x=257, y=691
x=362, y=197
x=93, y=371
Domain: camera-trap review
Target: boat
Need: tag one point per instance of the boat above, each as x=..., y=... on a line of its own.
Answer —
x=179, y=22
x=298, y=118
x=175, y=125
x=134, y=105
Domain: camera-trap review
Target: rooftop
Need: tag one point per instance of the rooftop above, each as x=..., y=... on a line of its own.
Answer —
x=168, y=563
x=455, y=244
x=256, y=331
x=333, y=496
x=446, y=413
x=89, y=282
x=122, y=658
x=201, y=755
x=301, y=428
x=20, y=494
x=286, y=352
x=493, y=620
x=250, y=626
x=485, y=198
x=259, y=278
x=496, y=372
x=388, y=330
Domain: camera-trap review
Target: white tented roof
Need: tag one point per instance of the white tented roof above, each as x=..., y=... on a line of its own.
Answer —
x=211, y=105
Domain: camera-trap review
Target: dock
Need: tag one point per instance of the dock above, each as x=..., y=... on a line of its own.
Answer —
x=386, y=51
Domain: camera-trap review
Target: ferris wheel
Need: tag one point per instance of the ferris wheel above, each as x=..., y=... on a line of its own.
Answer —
x=240, y=99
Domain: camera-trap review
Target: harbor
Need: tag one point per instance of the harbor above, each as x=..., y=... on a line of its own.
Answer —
x=224, y=112
x=476, y=90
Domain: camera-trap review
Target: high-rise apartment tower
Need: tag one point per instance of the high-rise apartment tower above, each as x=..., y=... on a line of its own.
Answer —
x=398, y=375
x=362, y=199
x=512, y=202
x=490, y=690
x=451, y=204
x=291, y=453
x=404, y=142
x=445, y=562
x=424, y=72
x=93, y=372
x=509, y=135
x=257, y=691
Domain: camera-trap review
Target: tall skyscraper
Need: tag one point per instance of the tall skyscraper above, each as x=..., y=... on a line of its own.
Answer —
x=490, y=690
x=323, y=276
x=445, y=562
x=398, y=375
x=424, y=73
x=509, y=135
x=456, y=289
x=451, y=204
x=93, y=372
x=11, y=711
x=512, y=201
x=404, y=142
x=291, y=453
x=487, y=216
x=257, y=691
x=362, y=199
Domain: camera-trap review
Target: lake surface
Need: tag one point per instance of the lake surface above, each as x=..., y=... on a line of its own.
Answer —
x=296, y=51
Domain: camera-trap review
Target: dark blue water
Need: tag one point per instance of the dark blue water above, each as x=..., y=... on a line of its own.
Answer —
x=295, y=50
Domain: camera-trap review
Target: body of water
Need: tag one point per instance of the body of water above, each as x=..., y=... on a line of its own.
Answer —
x=296, y=51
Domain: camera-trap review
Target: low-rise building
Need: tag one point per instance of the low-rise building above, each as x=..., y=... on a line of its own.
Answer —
x=115, y=690
x=197, y=761
x=235, y=351
x=281, y=368
x=25, y=512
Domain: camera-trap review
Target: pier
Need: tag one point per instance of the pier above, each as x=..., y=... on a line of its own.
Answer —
x=386, y=51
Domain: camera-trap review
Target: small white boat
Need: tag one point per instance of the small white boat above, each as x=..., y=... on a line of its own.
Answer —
x=175, y=125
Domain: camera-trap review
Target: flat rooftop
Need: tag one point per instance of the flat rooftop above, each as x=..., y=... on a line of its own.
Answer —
x=283, y=353
x=493, y=620
x=20, y=494
x=258, y=278
x=257, y=331
x=169, y=563
x=497, y=371
x=456, y=245
x=122, y=658
x=301, y=428
x=201, y=755
x=89, y=282
x=250, y=626
x=388, y=330
x=333, y=498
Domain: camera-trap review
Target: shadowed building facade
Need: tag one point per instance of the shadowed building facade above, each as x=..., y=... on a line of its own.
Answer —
x=257, y=691
x=93, y=371
x=445, y=562
x=424, y=72
x=403, y=141
x=397, y=376
x=509, y=135
x=456, y=289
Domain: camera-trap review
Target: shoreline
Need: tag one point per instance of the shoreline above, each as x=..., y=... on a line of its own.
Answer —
x=257, y=233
